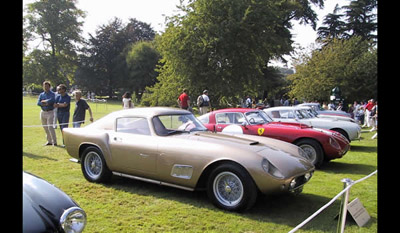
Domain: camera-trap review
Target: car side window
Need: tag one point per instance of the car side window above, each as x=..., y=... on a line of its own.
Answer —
x=222, y=118
x=275, y=114
x=286, y=114
x=229, y=118
x=133, y=125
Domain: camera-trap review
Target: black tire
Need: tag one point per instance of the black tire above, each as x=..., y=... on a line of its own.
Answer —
x=231, y=188
x=313, y=149
x=93, y=165
x=342, y=132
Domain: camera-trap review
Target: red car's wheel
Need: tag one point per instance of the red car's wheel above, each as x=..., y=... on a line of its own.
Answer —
x=313, y=149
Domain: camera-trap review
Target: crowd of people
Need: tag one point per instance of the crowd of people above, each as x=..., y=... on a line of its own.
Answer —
x=364, y=113
x=56, y=107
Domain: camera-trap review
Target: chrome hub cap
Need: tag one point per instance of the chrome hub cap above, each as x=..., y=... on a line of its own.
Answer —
x=228, y=189
x=93, y=165
x=311, y=152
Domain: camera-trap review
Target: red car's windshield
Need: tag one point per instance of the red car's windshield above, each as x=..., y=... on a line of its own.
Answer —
x=257, y=118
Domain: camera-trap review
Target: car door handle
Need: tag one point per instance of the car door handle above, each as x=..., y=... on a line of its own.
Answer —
x=143, y=155
x=219, y=127
x=118, y=139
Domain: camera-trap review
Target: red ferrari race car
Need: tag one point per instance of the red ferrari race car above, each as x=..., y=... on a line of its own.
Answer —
x=319, y=144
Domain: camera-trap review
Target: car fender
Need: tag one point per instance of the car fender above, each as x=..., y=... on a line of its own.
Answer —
x=101, y=140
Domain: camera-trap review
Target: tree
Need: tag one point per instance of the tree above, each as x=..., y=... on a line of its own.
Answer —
x=360, y=20
x=141, y=60
x=224, y=46
x=102, y=67
x=56, y=23
x=335, y=27
x=350, y=64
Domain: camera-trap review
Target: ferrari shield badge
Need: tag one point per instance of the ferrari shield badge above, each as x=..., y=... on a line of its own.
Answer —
x=260, y=131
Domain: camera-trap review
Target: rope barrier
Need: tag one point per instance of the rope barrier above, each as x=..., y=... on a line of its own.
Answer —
x=33, y=126
x=330, y=202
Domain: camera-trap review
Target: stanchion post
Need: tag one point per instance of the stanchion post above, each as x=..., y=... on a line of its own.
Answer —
x=343, y=207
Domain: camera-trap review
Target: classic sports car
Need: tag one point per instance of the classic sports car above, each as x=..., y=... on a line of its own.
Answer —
x=48, y=209
x=317, y=107
x=298, y=114
x=171, y=147
x=320, y=145
x=314, y=113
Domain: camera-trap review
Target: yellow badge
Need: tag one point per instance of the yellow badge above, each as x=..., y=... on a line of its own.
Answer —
x=260, y=131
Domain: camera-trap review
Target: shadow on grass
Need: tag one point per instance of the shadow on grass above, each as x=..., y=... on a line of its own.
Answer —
x=33, y=156
x=348, y=168
x=370, y=149
x=285, y=209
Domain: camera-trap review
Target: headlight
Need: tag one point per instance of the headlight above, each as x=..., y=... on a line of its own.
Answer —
x=334, y=143
x=73, y=220
x=271, y=169
x=308, y=176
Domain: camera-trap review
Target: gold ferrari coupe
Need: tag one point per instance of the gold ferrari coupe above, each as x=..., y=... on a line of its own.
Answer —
x=172, y=147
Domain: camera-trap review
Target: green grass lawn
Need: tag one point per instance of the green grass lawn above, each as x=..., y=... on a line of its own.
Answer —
x=126, y=205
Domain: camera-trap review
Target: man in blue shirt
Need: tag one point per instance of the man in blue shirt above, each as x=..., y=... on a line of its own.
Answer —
x=62, y=104
x=46, y=101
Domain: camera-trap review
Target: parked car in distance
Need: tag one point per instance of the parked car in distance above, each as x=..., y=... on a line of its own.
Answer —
x=350, y=130
x=314, y=113
x=48, y=209
x=320, y=145
x=172, y=147
x=317, y=107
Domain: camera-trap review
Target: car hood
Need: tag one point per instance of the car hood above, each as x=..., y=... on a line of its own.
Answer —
x=246, y=143
x=285, y=156
x=43, y=204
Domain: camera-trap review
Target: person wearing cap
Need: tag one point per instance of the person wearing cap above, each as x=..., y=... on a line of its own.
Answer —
x=205, y=104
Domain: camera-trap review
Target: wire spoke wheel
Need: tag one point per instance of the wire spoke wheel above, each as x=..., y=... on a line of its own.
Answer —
x=93, y=165
x=228, y=189
x=311, y=152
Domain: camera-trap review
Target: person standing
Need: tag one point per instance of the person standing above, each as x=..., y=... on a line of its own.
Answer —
x=62, y=104
x=248, y=102
x=127, y=100
x=46, y=102
x=204, y=103
x=184, y=100
x=368, y=108
x=80, y=110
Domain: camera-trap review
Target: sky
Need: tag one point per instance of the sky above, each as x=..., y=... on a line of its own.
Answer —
x=153, y=12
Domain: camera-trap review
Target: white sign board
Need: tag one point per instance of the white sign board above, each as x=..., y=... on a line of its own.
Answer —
x=358, y=212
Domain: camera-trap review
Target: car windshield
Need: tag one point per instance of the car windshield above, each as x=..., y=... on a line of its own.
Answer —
x=303, y=114
x=312, y=112
x=170, y=124
x=257, y=118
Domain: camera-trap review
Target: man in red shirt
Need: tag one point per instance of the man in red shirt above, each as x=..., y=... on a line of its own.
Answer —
x=184, y=100
x=368, y=108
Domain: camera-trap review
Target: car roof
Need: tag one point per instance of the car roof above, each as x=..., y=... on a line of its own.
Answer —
x=308, y=104
x=280, y=108
x=107, y=121
x=288, y=108
x=149, y=112
x=237, y=110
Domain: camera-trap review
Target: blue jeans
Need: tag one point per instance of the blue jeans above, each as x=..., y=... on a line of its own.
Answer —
x=76, y=124
x=63, y=119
